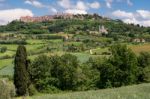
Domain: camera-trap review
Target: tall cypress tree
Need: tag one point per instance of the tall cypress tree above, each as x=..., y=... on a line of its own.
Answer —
x=21, y=77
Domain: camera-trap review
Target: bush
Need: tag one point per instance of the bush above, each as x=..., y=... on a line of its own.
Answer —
x=6, y=57
x=51, y=89
x=32, y=90
x=13, y=42
x=144, y=59
x=53, y=37
x=146, y=74
x=7, y=89
x=3, y=49
x=144, y=67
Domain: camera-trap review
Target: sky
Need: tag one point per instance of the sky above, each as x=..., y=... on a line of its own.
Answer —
x=130, y=11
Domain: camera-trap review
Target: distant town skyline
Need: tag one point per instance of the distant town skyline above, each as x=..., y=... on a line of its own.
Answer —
x=130, y=11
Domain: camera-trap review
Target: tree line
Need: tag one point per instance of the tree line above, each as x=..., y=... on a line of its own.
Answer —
x=53, y=74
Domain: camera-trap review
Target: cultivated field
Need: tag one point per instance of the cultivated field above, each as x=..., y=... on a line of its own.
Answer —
x=140, y=48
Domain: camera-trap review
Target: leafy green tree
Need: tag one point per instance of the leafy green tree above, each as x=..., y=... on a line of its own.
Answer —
x=125, y=61
x=21, y=76
x=89, y=75
x=40, y=72
x=144, y=67
x=67, y=72
x=55, y=72
x=120, y=69
x=144, y=59
x=107, y=75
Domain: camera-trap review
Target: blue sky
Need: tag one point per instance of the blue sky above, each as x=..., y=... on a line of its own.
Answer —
x=130, y=11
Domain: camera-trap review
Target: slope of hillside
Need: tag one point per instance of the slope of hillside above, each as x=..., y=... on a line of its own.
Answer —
x=130, y=92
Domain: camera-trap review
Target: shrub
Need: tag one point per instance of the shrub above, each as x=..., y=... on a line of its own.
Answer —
x=32, y=90
x=7, y=89
x=144, y=67
x=13, y=42
x=146, y=74
x=3, y=49
x=144, y=59
x=6, y=57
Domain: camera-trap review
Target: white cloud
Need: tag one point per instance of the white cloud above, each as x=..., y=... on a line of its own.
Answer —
x=75, y=11
x=136, y=21
x=132, y=20
x=122, y=14
x=65, y=3
x=53, y=10
x=109, y=3
x=95, y=5
x=141, y=17
x=79, y=7
x=38, y=4
x=74, y=8
x=145, y=23
x=35, y=3
x=13, y=14
x=144, y=14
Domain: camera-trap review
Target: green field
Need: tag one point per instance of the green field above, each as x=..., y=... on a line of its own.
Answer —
x=7, y=71
x=5, y=62
x=130, y=92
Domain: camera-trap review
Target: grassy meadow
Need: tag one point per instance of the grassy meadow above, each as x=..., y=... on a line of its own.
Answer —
x=140, y=91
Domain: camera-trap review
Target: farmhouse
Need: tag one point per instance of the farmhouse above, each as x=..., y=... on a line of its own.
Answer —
x=138, y=40
x=103, y=30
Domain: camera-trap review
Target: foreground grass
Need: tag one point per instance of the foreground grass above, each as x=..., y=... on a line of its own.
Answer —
x=130, y=92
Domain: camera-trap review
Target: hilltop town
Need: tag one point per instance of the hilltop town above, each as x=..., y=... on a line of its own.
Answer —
x=46, y=17
x=58, y=16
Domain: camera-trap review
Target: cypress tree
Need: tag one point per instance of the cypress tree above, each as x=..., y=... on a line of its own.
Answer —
x=21, y=76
